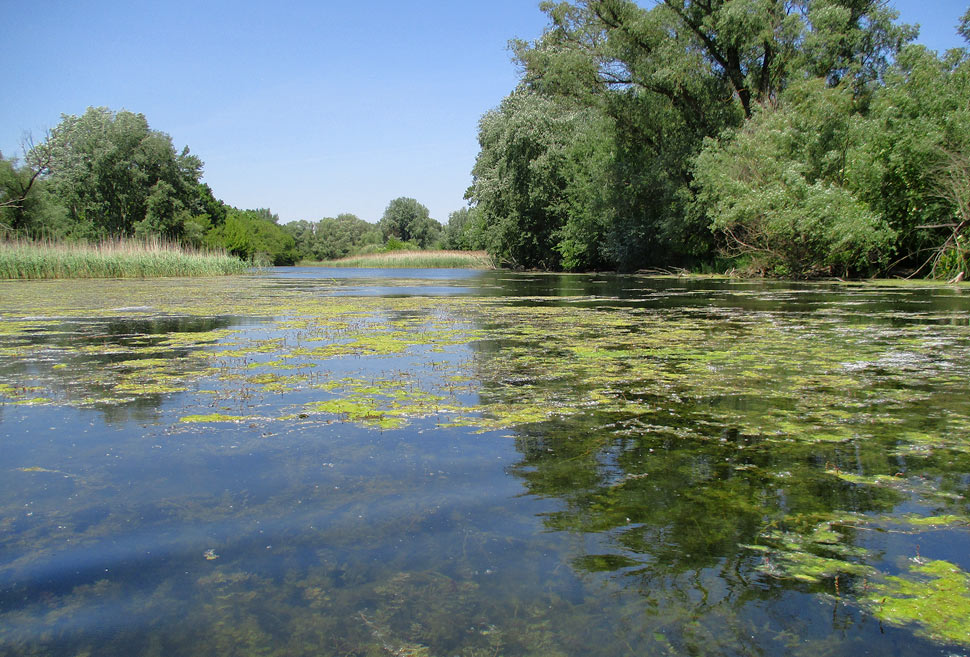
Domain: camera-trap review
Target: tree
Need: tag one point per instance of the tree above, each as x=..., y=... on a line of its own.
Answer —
x=333, y=238
x=26, y=205
x=408, y=221
x=464, y=231
x=105, y=166
x=778, y=190
x=528, y=178
x=250, y=235
x=656, y=83
x=918, y=133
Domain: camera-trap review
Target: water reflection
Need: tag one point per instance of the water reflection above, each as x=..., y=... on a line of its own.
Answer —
x=119, y=365
x=499, y=464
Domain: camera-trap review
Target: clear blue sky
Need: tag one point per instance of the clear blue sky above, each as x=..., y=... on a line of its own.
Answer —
x=308, y=108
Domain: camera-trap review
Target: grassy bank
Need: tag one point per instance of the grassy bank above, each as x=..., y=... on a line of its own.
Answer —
x=413, y=260
x=110, y=259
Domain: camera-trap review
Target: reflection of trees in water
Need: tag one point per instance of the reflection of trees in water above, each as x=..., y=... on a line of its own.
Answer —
x=80, y=361
x=668, y=511
x=724, y=423
x=714, y=527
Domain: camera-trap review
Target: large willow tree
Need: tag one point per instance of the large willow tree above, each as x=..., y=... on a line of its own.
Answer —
x=660, y=79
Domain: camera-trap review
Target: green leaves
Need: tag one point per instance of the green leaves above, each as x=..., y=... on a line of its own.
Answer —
x=251, y=235
x=116, y=176
x=533, y=177
x=775, y=190
x=408, y=221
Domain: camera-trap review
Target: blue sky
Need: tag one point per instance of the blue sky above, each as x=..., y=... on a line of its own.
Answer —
x=309, y=108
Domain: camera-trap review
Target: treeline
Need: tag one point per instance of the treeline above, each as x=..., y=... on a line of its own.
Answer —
x=106, y=174
x=405, y=224
x=785, y=137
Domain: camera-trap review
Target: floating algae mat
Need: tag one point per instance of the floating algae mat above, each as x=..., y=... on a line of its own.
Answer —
x=455, y=463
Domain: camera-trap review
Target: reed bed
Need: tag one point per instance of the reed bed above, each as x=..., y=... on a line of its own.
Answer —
x=111, y=259
x=413, y=260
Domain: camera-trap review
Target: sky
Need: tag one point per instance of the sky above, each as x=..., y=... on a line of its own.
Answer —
x=309, y=108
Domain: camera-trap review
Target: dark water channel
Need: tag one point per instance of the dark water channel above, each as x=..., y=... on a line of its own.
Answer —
x=445, y=463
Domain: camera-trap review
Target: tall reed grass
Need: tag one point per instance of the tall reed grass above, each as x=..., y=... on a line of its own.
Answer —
x=21, y=259
x=413, y=260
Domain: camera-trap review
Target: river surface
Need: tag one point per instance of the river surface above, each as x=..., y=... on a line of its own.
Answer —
x=455, y=463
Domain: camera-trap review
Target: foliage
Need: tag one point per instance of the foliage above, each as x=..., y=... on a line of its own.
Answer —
x=529, y=179
x=27, y=206
x=332, y=238
x=106, y=174
x=254, y=236
x=464, y=231
x=116, y=176
x=917, y=134
x=657, y=86
x=408, y=221
x=776, y=189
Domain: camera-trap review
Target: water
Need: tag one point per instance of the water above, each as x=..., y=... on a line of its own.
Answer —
x=333, y=462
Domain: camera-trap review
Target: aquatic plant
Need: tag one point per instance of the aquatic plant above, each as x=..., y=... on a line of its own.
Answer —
x=733, y=451
x=412, y=260
x=935, y=598
x=113, y=259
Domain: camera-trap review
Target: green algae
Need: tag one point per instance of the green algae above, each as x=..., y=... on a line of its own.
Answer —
x=33, y=401
x=767, y=400
x=361, y=409
x=823, y=552
x=935, y=597
x=948, y=520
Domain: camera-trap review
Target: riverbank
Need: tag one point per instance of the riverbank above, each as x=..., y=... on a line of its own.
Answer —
x=21, y=260
x=413, y=260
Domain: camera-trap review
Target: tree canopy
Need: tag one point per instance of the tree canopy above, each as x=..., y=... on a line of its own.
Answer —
x=116, y=176
x=408, y=221
x=782, y=137
x=798, y=137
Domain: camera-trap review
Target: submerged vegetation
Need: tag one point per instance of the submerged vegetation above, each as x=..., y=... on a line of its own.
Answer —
x=679, y=438
x=111, y=259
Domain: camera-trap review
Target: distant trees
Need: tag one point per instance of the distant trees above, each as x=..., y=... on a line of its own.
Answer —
x=333, y=238
x=255, y=236
x=408, y=221
x=107, y=174
x=463, y=232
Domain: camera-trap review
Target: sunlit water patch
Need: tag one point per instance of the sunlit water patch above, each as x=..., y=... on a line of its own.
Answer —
x=430, y=463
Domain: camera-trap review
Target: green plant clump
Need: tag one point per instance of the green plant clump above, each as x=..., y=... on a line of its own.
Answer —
x=937, y=601
x=414, y=260
x=122, y=259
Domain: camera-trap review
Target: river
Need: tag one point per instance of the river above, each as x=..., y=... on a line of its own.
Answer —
x=442, y=463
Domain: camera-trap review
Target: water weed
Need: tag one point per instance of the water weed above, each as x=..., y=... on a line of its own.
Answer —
x=484, y=474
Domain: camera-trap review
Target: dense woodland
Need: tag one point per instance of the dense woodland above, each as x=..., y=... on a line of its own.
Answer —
x=792, y=138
